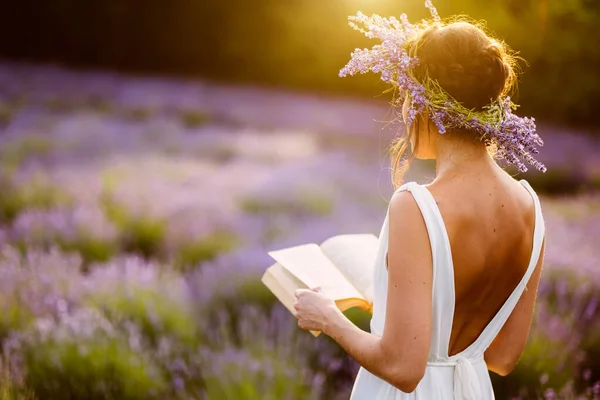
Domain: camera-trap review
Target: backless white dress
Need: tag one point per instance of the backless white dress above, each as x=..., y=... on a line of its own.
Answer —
x=463, y=376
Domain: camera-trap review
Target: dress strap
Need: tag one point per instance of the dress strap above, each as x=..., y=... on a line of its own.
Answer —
x=443, y=276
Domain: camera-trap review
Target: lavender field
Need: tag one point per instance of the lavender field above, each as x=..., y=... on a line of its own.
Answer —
x=135, y=217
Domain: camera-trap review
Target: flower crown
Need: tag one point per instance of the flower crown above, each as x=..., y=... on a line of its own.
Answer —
x=514, y=137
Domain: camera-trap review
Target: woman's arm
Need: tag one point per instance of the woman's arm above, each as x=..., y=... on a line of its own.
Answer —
x=504, y=352
x=400, y=355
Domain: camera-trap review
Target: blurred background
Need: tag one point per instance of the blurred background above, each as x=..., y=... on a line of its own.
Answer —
x=152, y=152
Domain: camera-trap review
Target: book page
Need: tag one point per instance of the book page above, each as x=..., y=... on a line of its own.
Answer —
x=354, y=256
x=283, y=285
x=311, y=266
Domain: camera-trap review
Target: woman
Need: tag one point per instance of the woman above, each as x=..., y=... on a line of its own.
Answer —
x=459, y=259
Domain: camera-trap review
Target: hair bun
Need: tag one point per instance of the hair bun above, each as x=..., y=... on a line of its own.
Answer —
x=497, y=69
x=466, y=63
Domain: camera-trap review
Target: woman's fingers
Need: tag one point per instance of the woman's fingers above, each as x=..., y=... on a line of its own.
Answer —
x=300, y=292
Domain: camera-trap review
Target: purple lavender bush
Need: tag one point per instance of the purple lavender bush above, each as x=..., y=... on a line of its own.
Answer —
x=81, y=356
x=124, y=330
x=135, y=220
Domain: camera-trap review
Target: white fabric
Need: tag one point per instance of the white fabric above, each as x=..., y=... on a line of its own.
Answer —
x=463, y=376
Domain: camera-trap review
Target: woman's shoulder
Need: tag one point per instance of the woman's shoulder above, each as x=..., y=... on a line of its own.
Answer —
x=498, y=191
x=406, y=186
x=500, y=195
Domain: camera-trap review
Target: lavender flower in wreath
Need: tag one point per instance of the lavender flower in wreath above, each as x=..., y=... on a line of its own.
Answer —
x=515, y=137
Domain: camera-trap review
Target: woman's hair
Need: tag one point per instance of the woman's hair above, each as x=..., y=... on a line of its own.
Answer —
x=468, y=64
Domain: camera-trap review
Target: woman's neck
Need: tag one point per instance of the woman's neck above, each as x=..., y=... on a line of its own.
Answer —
x=458, y=156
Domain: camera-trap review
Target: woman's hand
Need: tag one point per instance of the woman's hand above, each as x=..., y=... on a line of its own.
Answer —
x=314, y=310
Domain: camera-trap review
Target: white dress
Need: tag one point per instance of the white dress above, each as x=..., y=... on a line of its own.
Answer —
x=463, y=376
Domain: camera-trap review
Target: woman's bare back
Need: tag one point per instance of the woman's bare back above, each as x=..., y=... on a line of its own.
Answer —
x=490, y=223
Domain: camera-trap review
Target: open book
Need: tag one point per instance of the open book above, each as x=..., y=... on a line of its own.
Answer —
x=342, y=266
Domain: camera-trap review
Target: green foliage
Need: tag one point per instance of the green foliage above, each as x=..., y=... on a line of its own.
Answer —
x=194, y=118
x=11, y=203
x=90, y=249
x=36, y=193
x=359, y=318
x=232, y=300
x=315, y=202
x=257, y=377
x=139, y=234
x=13, y=316
x=591, y=348
x=193, y=253
x=138, y=114
x=99, y=104
x=302, y=202
x=8, y=389
x=60, y=105
x=156, y=314
x=6, y=114
x=90, y=370
x=273, y=365
x=13, y=154
x=246, y=292
x=543, y=355
x=40, y=194
x=557, y=354
x=143, y=235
